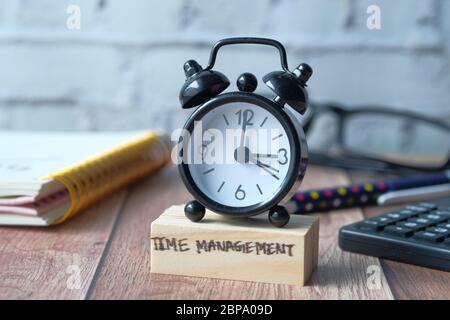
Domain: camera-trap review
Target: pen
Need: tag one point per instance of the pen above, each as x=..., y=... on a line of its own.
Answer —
x=414, y=195
x=391, y=191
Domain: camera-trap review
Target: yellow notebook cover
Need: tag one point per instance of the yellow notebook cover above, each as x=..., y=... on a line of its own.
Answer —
x=47, y=178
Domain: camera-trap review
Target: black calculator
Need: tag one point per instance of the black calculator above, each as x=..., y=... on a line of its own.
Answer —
x=417, y=234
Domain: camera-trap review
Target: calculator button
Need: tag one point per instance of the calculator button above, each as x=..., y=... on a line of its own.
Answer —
x=427, y=205
x=384, y=219
x=444, y=231
x=394, y=215
x=422, y=221
x=377, y=223
x=435, y=217
x=410, y=225
x=429, y=236
x=407, y=213
x=444, y=225
x=371, y=225
x=417, y=209
x=443, y=213
x=399, y=231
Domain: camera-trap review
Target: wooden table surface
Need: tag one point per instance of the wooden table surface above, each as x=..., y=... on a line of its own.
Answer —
x=104, y=254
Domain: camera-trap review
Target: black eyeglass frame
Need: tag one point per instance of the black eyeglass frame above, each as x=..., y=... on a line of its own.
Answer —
x=351, y=159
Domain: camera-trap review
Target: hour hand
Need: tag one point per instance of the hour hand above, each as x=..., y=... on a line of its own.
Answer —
x=254, y=157
x=265, y=156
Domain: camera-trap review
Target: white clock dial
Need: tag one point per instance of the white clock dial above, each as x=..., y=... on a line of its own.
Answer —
x=252, y=169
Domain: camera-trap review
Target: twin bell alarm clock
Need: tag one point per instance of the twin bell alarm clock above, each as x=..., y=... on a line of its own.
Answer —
x=242, y=154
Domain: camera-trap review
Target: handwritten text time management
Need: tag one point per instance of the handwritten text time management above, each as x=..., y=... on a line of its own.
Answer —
x=205, y=246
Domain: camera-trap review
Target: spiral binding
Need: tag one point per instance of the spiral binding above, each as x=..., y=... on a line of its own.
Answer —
x=91, y=180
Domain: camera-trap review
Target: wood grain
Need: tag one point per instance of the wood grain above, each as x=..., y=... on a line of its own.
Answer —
x=405, y=280
x=125, y=272
x=37, y=263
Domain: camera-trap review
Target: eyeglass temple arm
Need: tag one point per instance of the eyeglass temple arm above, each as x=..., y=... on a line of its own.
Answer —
x=315, y=108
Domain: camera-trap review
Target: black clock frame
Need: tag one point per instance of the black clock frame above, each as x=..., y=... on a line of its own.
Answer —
x=295, y=148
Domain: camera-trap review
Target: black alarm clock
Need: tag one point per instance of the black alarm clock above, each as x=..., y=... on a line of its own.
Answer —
x=259, y=168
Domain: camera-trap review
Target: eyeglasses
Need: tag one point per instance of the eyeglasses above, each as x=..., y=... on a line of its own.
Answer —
x=377, y=139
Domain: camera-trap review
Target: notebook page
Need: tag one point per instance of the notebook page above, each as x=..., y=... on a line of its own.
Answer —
x=27, y=156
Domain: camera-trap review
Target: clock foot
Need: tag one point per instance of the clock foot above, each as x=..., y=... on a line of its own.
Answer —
x=194, y=211
x=278, y=216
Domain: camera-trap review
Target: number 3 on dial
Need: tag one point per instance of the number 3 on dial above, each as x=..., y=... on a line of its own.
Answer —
x=282, y=156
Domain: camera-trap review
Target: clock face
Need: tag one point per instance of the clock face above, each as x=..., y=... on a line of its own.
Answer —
x=240, y=155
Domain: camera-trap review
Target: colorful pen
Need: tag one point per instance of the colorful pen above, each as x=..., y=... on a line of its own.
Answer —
x=366, y=194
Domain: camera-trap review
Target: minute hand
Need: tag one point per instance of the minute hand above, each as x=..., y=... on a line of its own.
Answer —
x=268, y=169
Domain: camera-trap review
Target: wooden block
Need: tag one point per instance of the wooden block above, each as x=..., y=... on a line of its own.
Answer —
x=249, y=249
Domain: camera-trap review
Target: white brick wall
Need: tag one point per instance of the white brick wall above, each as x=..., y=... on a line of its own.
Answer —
x=123, y=69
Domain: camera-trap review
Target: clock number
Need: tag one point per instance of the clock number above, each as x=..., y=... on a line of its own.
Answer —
x=246, y=116
x=240, y=193
x=283, y=156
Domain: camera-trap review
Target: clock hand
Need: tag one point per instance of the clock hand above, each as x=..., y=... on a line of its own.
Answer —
x=263, y=166
x=264, y=155
x=253, y=158
x=245, y=116
x=242, y=151
x=244, y=125
x=266, y=167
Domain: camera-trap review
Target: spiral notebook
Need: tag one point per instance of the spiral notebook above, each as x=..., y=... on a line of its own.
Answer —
x=48, y=177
